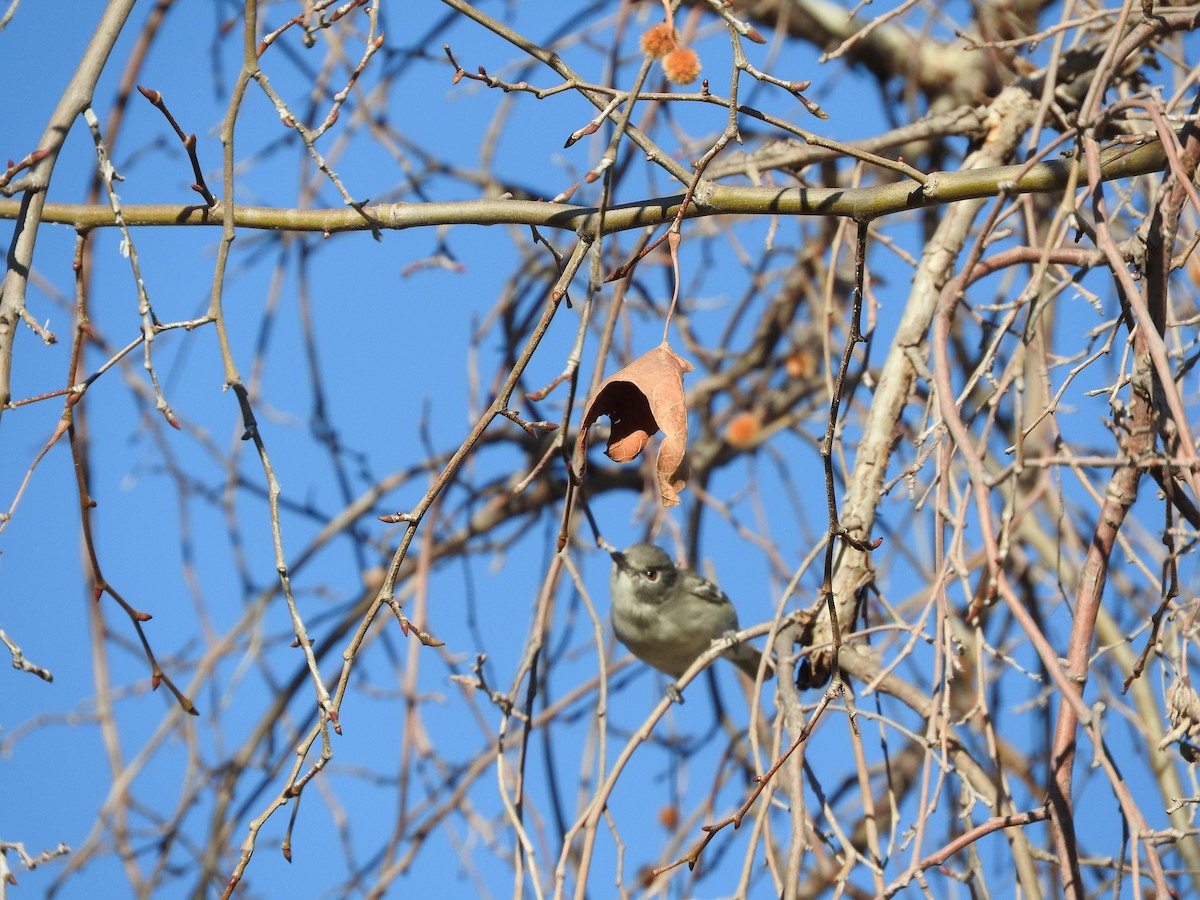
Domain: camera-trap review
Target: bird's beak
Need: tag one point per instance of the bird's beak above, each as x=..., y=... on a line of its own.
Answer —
x=619, y=559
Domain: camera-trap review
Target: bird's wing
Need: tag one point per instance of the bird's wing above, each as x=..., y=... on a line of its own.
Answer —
x=702, y=587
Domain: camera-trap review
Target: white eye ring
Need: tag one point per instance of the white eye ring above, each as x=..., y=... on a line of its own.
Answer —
x=652, y=574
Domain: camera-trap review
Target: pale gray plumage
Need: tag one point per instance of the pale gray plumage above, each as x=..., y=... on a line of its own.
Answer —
x=668, y=615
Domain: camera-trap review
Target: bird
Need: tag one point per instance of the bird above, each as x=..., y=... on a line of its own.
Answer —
x=668, y=615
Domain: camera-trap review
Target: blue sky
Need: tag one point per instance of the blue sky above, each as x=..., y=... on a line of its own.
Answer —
x=393, y=351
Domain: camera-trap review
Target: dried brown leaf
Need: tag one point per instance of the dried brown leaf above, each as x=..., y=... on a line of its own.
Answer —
x=642, y=399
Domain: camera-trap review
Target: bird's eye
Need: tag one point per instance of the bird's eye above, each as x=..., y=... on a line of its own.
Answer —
x=652, y=574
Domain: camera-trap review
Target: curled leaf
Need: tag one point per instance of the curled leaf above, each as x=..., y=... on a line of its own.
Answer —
x=642, y=399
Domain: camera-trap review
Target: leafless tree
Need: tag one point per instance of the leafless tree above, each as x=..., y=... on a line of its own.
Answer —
x=324, y=446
